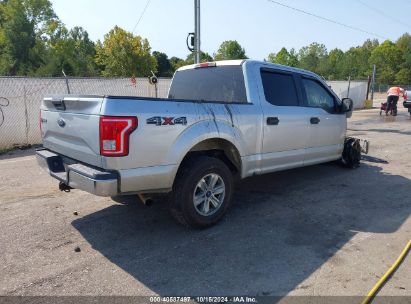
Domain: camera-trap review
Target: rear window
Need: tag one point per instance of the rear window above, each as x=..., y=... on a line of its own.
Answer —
x=223, y=84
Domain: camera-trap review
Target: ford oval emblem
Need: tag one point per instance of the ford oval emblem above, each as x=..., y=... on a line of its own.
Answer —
x=61, y=122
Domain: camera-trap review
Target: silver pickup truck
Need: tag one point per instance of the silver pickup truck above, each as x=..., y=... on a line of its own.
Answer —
x=221, y=121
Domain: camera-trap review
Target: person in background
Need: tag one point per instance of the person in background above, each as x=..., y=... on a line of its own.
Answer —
x=392, y=99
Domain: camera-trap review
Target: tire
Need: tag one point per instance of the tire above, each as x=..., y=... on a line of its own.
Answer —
x=195, y=178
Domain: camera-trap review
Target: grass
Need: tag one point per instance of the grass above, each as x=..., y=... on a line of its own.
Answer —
x=5, y=150
x=18, y=147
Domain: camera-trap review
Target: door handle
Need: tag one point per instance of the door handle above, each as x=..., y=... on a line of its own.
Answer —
x=314, y=120
x=273, y=121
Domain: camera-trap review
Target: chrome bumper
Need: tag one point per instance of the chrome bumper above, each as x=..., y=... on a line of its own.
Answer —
x=78, y=176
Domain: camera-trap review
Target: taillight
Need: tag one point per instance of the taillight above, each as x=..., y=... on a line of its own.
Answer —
x=115, y=133
x=205, y=65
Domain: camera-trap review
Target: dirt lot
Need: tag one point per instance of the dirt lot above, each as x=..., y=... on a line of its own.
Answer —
x=321, y=230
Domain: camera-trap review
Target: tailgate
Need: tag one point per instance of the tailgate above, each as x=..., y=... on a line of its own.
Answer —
x=70, y=126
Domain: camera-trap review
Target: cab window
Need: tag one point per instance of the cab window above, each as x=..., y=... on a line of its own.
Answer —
x=317, y=96
x=279, y=88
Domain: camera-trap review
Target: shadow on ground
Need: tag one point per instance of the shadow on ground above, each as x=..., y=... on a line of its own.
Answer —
x=281, y=229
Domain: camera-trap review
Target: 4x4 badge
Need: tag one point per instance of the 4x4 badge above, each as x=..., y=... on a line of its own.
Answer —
x=166, y=121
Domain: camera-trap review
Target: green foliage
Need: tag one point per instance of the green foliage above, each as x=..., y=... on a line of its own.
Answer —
x=388, y=58
x=393, y=60
x=33, y=41
x=24, y=26
x=404, y=45
x=164, y=67
x=72, y=52
x=284, y=57
x=229, y=50
x=333, y=64
x=204, y=57
x=313, y=58
x=176, y=63
x=123, y=54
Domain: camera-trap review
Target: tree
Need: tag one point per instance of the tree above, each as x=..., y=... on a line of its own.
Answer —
x=24, y=26
x=164, y=68
x=123, y=54
x=333, y=63
x=284, y=57
x=71, y=51
x=403, y=76
x=230, y=49
x=355, y=62
x=204, y=57
x=388, y=58
x=313, y=58
x=176, y=63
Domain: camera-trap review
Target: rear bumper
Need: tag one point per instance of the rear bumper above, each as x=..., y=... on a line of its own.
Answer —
x=79, y=176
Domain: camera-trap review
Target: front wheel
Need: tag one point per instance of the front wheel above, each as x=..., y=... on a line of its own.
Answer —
x=202, y=192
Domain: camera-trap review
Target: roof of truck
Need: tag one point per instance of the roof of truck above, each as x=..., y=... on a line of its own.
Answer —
x=251, y=61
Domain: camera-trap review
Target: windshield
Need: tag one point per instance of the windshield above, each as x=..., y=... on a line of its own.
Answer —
x=223, y=84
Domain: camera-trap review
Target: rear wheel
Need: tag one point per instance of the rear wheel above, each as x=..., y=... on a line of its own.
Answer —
x=202, y=192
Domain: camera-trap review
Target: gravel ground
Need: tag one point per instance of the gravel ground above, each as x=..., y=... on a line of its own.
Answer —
x=316, y=231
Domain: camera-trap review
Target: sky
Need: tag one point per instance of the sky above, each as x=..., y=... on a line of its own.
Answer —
x=260, y=26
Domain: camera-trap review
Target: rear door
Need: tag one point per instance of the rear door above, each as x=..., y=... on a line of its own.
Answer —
x=70, y=126
x=326, y=125
x=285, y=124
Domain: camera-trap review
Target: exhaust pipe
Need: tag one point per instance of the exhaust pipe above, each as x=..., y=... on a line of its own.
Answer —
x=148, y=201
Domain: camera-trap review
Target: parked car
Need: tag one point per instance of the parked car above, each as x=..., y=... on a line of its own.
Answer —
x=221, y=121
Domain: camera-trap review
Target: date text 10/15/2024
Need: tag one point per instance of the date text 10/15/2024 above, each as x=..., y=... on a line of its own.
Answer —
x=204, y=299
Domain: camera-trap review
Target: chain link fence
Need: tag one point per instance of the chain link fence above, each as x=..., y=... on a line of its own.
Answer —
x=383, y=88
x=20, y=99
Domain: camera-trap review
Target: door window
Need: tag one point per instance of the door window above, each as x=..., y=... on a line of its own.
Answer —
x=318, y=96
x=279, y=88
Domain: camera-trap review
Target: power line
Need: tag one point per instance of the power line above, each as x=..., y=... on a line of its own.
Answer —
x=383, y=13
x=141, y=16
x=327, y=19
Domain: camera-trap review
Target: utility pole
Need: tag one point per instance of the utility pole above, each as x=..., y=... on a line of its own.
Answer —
x=197, y=41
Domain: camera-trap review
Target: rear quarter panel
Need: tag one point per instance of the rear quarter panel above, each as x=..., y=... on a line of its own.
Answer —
x=152, y=145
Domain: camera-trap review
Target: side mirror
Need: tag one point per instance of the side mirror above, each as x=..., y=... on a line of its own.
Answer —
x=346, y=105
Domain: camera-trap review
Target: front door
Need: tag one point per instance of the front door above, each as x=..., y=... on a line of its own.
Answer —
x=326, y=125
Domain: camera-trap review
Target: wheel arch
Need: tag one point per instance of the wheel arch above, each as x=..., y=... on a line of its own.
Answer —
x=219, y=148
